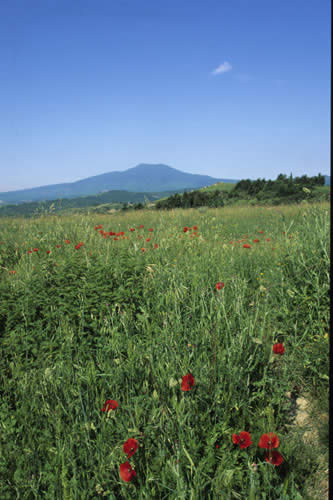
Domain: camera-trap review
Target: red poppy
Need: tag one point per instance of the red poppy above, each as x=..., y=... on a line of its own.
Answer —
x=12, y=272
x=58, y=246
x=79, y=245
x=269, y=441
x=156, y=245
x=48, y=251
x=130, y=447
x=116, y=239
x=219, y=285
x=261, y=232
x=255, y=241
x=185, y=229
x=150, y=229
x=143, y=249
x=132, y=229
x=187, y=382
x=274, y=458
x=29, y=251
x=67, y=241
x=268, y=239
x=195, y=228
x=148, y=240
x=141, y=226
x=231, y=242
x=243, y=439
x=126, y=472
x=35, y=249
x=101, y=231
x=246, y=245
x=110, y=404
x=283, y=232
x=278, y=349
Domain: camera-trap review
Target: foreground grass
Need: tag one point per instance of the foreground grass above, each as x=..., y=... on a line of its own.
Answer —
x=111, y=321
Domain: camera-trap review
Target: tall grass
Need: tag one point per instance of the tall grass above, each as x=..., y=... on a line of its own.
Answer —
x=110, y=321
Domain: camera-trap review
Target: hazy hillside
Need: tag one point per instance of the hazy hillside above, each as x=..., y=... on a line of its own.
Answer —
x=142, y=178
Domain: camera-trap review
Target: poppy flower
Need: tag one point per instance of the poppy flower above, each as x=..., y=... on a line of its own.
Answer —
x=48, y=251
x=243, y=439
x=141, y=226
x=261, y=232
x=195, y=228
x=29, y=251
x=35, y=249
x=67, y=241
x=58, y=246
x=255, y=241
x=156, y=245
x=132, y=229
x=101, y=231
x=187, y=382
x=151, y=230
x=274, y=458
x=116, y=239
x=185, y=229
x=278, y=349
x=79, y=245
x=219, y=285
x=143, y=249
x=130, y=447
x=268, y=239
x=246, y=245
x=126, y=472
x=231, y=242
x=110, y=404
x=148, y=240
x=269, y=441
x=12, y=272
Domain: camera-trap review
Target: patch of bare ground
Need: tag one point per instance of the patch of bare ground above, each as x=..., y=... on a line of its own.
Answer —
x=312, y=425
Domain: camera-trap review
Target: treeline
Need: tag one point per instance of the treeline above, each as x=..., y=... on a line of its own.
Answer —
x=283, y=190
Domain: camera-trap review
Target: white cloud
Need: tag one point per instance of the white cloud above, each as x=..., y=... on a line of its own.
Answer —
x=223, y=68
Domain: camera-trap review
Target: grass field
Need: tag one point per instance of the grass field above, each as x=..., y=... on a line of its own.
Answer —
x=123, y=319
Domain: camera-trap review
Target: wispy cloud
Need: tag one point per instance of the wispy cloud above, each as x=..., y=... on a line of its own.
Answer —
x=223, y=68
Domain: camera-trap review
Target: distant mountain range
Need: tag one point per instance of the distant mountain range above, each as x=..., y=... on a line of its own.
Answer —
x=142, y=178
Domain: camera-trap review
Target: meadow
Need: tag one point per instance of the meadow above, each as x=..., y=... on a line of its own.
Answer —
x=157, y=329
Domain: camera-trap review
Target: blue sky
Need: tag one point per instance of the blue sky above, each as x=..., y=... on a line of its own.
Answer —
x=229, y=88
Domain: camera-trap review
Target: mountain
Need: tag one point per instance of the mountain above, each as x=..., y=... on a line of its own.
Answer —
x=142, y=178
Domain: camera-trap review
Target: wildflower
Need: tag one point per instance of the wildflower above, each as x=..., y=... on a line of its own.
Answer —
x=187, y=382
x=185, y=229
x=67, y=241
x=132, y=229
x=278, y=349
x=29, y=251
x=126, y=472
x=143, y=249
x=261, y=232
x=35, y=249
x=268, y=441
x=255, y=241
x=141, y=226
x=79, y=245
x=116, y=239
x=219, y=285
x=12, y=272
x=110, y=404
x=148, y=240
x=58, y=246
x=243, y=439
x=156, y=245
x=195, y=228
x=268, y=239
x=130, y=447
x=246, y=245
x=150, y=229
x=274, y=458
x=48, y=251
